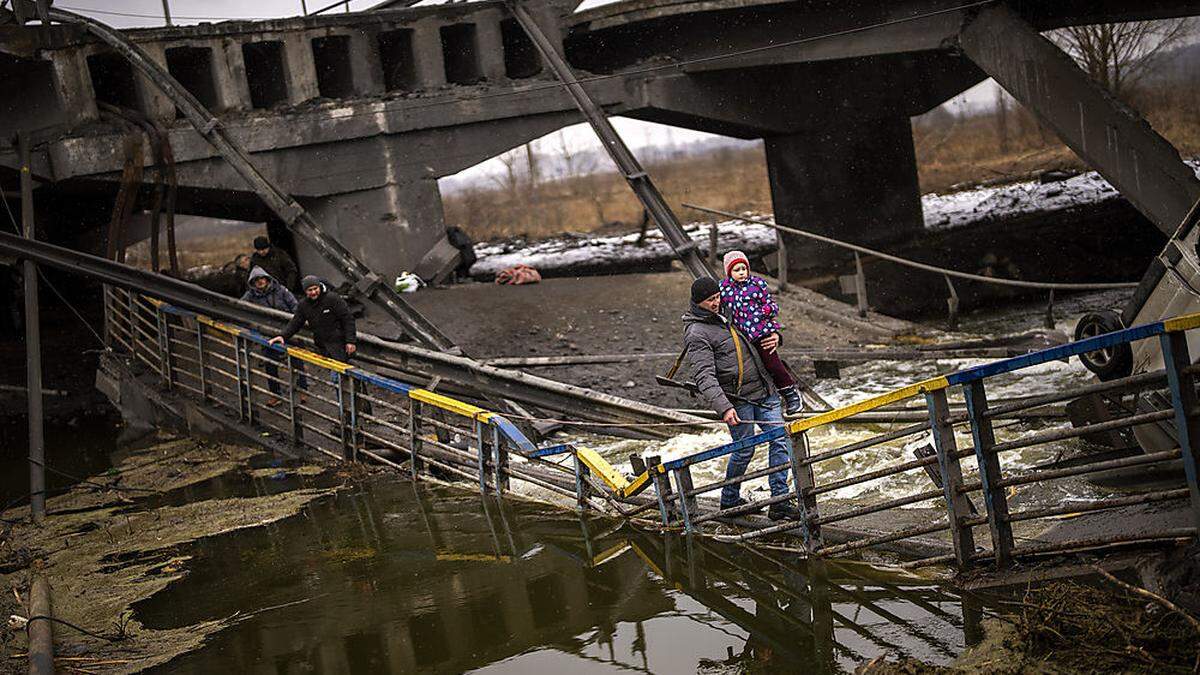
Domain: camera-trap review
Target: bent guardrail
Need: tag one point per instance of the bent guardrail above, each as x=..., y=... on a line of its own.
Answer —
x=328, y=406
x=952, y=485
x=348, y=412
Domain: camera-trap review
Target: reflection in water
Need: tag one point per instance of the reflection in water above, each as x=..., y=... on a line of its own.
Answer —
x=394, y=578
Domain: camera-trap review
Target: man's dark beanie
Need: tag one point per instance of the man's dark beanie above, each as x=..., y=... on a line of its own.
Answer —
x=704, y=288
x=261, y=242
x=309, y=280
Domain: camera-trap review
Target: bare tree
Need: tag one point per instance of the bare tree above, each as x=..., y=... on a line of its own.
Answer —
x=1117, y=55
x=1002, y=118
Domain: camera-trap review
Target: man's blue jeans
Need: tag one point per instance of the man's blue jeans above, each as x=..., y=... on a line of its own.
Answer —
x=766, y=418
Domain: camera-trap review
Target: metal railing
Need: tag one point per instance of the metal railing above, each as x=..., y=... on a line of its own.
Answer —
x=350, y=413
x=827, y=527
x=334, y=408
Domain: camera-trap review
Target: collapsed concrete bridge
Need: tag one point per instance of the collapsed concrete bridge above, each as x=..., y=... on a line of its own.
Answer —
x=358, y=115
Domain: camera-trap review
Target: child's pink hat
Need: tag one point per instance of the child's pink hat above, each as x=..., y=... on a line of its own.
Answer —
x=734, y=257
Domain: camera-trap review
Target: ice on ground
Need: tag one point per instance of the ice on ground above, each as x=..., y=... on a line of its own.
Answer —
x=942, y=212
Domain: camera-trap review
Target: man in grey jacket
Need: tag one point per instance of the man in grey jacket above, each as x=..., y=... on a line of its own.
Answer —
x=265, y=291
x=725, y=366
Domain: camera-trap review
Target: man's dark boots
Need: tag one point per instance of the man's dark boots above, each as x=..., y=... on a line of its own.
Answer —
x=792, y=403
x=783, y=511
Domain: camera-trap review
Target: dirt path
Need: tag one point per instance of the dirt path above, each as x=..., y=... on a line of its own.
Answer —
x=628, y=313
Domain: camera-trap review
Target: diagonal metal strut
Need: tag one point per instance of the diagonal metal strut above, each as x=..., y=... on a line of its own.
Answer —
x=291, y=213
x=639, y=181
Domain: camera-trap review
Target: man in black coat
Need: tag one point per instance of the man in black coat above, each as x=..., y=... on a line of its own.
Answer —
x=328, y=318
x=274, y=261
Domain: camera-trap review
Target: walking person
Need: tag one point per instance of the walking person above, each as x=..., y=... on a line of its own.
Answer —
x=275, y=261
x=265, y=291
x=723, y=366
x=327, y=316
x=753, y=311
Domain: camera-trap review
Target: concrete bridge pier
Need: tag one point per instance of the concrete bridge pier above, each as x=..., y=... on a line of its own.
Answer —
x=390, y=227
x=850, y=178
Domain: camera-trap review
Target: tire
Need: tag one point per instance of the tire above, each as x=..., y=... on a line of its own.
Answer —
x=1110, y=363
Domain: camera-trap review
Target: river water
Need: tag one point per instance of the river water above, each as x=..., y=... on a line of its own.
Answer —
x=393, y=577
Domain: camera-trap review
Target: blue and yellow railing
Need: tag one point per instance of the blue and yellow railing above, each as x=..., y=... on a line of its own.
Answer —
x=679, y=502
x=336, y=408
x=351, y=411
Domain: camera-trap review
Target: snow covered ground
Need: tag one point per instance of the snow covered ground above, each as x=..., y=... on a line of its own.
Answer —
x=942, y=212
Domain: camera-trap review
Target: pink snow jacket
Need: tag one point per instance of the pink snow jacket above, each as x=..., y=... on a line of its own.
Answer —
x=750, y=305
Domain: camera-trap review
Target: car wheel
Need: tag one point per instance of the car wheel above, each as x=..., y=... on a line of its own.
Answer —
x=1109, y=363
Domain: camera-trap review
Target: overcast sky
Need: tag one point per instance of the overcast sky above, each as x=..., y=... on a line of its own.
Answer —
x=138, y=13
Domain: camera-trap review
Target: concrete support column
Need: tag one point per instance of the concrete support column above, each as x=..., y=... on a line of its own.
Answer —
x=76, y=97
x=390, y=228
x=490, y=44
x=235, y=66
x=301, y=69
x=1113, y=139
x=365, y=67
x=852, y=179
x=429, y=62
x=230, y=96
x=154, y=103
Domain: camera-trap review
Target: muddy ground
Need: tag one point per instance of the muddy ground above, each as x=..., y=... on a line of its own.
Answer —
x=629, y=313
x=117, y=539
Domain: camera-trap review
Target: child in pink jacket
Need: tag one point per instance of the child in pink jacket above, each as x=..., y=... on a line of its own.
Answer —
x=753, y=312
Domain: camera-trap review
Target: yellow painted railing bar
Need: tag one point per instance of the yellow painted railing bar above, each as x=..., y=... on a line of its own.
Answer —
x=1185, y=322
x=636, y=486
x=600, y=466
x=869, y=404
x=452, y=405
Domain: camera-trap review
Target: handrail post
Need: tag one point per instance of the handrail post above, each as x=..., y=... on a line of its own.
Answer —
x=237, y=368
x=414, y=436
x=343, y=414
x=687, y=501
x=481, y=456
x=989, y=473
x=582, y=489
x=804, y=482
x=164, y=346
x=133, y=333
x=295, y=422
x=200, y=362
x=1176, y=357
x=107, y=293
x=499, y=462
x=958, y=507
x=352, y=432
x=249, y=386
x=662, y=488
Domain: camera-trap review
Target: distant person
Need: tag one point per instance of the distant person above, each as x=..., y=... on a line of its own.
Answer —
x=327, y=316
x=749, y=305
x=265, y=291
x=275, y=261
x=466, y=251
x=725, y=367
x=241, y=271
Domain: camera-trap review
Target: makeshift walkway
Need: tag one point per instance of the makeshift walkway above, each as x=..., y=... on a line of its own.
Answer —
x=350, y=413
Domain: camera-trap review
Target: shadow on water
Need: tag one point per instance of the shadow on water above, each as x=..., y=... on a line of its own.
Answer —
x=72, y=451
x=397, y=578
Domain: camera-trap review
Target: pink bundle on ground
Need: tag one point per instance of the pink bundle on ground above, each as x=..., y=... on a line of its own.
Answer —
x=520, y=274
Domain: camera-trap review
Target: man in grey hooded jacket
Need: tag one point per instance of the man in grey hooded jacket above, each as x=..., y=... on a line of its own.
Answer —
x=724, y=363
x=263, y=290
